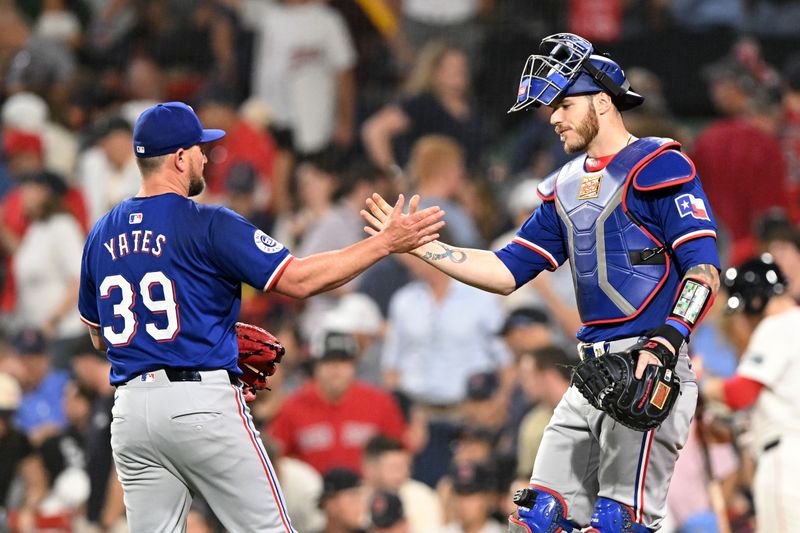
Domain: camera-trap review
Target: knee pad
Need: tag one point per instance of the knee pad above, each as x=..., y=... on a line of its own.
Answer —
x=541, y=510
x=610, y=516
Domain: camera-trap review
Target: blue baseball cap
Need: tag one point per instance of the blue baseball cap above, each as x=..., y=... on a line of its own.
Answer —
x=164, y=128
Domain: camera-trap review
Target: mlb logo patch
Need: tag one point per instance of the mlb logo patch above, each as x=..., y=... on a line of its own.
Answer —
x=688, y=205
x=148, y=377
x=135, y=218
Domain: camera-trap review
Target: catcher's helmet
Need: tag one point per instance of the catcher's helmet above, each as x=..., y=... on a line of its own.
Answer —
x=751, y=285
x=567, y=66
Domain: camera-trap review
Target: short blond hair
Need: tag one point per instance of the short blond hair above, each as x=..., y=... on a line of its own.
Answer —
x=432, y=152
x=148, y=165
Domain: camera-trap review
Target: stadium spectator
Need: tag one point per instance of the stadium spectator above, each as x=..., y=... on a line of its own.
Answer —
x=387, y=514
x=739, y=157
x=41, y=412
x=242, y=144
x=20, y=462
x=437, y=102
x=485, y=407
x=526, y=329
x=343, y=501
x=64, y=455
x=387, y=467
x=104, y=507
x=545, y=375
x=337, y=227
x=357, y=314
x=327, y=422
x=300, y=484
x=790, y=134
x=784, y=247
x=316, y=182
x=46, y=265
x=474, y=486
x=306, y=77
x=439, y=177
x=457, y=20
x=107, y=170
x=27, y=112
x=440, y=333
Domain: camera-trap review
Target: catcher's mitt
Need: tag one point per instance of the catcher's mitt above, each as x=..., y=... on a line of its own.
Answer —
x=609, y=384
x=259, y=354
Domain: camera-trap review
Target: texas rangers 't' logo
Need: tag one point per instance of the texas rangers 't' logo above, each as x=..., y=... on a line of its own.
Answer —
x=689, y=205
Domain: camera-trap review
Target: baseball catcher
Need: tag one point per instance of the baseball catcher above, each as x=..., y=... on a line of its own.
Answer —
x=259, y=354
x=631, y=218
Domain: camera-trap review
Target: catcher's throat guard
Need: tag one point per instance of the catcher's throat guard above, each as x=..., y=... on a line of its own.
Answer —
x=566, y=66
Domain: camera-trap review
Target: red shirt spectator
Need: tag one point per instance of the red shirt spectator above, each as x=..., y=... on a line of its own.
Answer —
x=242, y=144
x=25, y=155
x=327, y=422
x=742, y=168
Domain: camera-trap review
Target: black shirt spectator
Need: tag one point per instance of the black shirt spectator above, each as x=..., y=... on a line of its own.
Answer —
x=428, y=116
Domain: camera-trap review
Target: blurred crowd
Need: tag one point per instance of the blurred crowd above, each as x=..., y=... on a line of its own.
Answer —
x=407, y=402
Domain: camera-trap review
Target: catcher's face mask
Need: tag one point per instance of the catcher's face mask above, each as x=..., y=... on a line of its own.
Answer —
x=567, y=67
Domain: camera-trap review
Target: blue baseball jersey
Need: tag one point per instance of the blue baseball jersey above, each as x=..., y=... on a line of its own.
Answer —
x=161, y=278
x=677, y=216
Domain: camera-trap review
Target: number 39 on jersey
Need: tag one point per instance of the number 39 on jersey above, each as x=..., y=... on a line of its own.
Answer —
x=157, y=293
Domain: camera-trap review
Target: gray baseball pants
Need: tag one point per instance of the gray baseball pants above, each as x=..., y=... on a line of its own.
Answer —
x=172, y=440
x=585, y=454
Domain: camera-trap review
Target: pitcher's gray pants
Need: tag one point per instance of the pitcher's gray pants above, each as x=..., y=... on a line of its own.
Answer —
x=174, y=440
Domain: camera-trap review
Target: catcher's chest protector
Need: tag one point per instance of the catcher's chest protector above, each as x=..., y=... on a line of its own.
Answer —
x=614, y=262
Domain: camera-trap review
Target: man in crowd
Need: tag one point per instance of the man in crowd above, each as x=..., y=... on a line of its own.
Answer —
x=327, y=422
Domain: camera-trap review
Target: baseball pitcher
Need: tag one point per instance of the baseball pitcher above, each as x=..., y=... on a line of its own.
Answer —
x=160, y=291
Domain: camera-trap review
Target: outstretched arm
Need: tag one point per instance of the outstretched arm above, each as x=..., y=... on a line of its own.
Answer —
x=322, y=272
x=479, y=268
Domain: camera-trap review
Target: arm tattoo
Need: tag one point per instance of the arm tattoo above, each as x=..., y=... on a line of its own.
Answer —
x=456, y=256
x=707, y=273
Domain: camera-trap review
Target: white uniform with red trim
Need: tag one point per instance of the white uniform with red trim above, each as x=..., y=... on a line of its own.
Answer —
x=161, y=280
x=631, y=229
x=772, y=358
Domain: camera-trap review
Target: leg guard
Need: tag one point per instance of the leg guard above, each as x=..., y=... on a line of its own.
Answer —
x=541, y=510
x=613, y=517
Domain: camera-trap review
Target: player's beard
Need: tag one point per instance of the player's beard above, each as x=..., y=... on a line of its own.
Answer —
x=586, y=131
x=197, y=182
x=196, y=186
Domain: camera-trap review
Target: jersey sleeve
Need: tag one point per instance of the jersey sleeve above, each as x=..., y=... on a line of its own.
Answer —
x=768, y=354
x=688, y=225
x=538, y=245
x=244, y=252
x=87, y=291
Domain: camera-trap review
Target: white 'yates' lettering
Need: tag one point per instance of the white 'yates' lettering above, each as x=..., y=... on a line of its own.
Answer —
x=160, y=240
x=123, y=244
x=146, y=241
x=136, y=242
x=136, y=236
x=110, y=247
